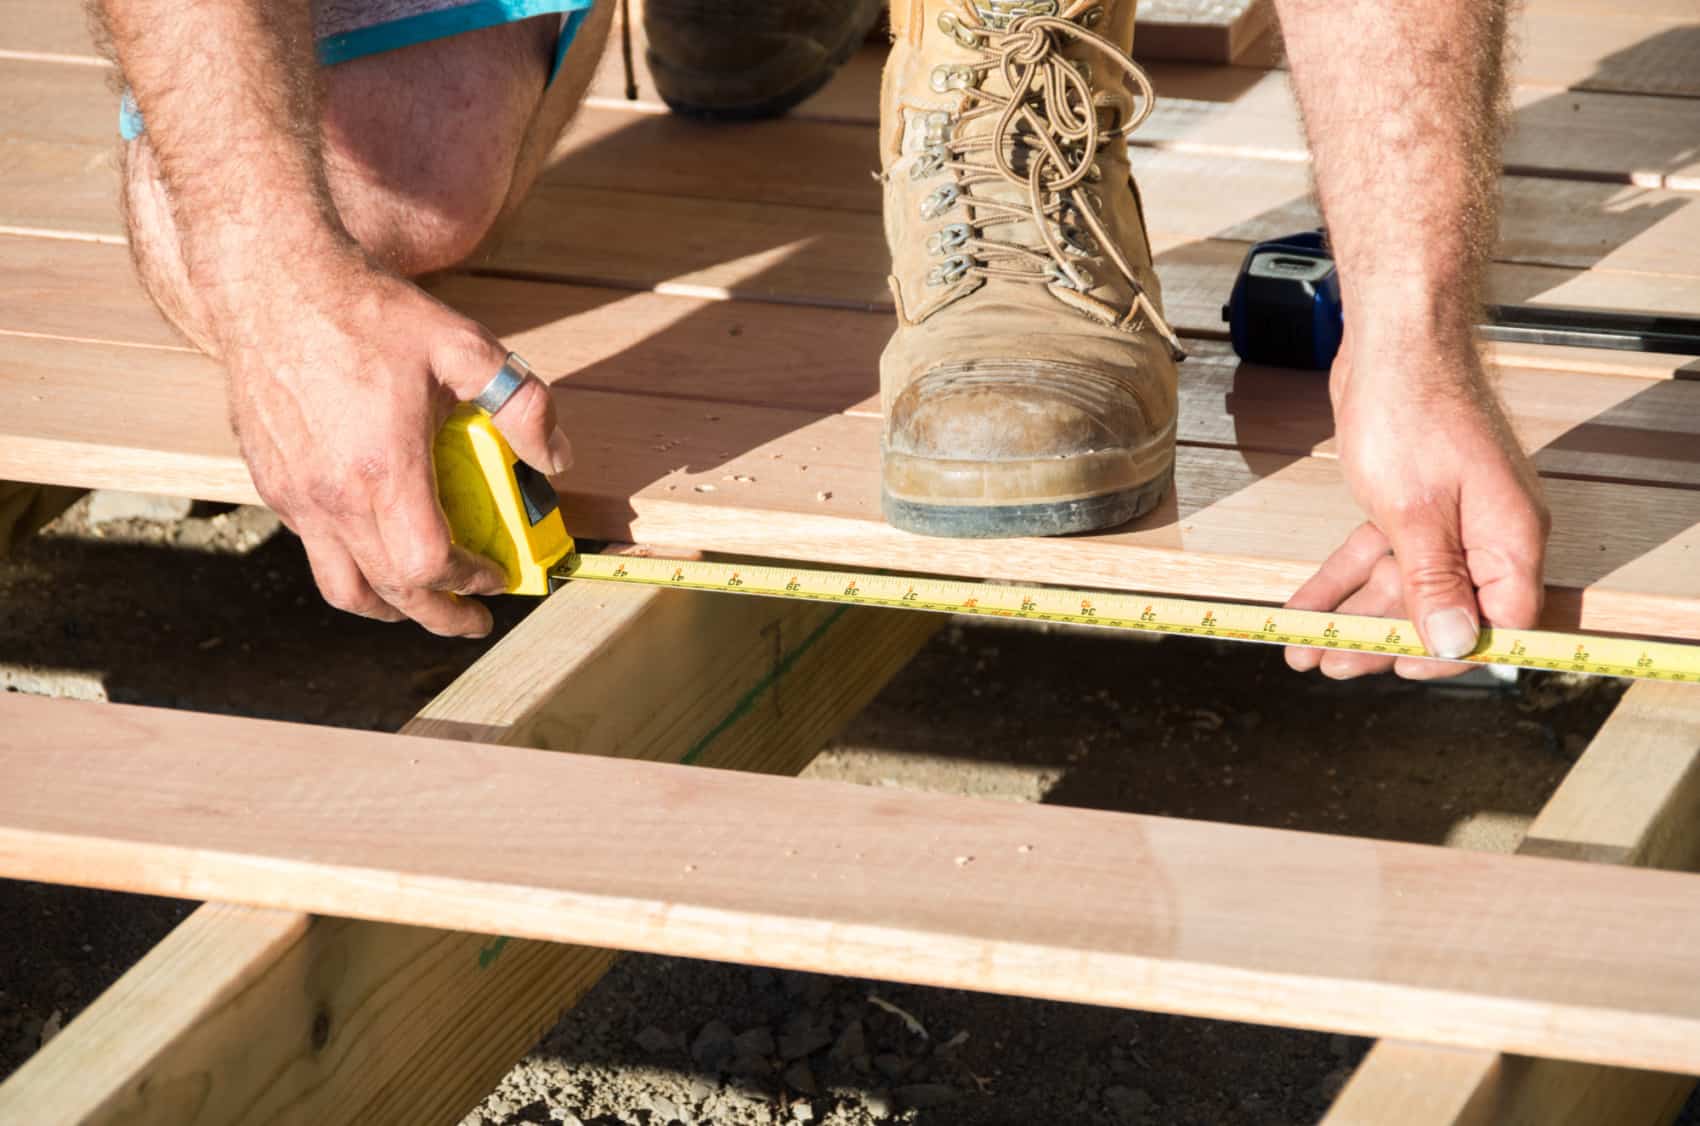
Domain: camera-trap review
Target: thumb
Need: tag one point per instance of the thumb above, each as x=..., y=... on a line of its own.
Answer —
x=1439, y=594
x=527, y=418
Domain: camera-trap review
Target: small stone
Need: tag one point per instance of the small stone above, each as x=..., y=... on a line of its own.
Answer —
x=755, y=1042
x=704, y=488
x=662, y=1107
x=802, y=1112
x=878, y=1104
x=653, y=1040
x=750, y=1066
x=852, y=1042
x=823, y=495
x=51, y=1026
x=108, y=505
x=801, y=1042
x=712, y=1047
x=801, y=1078
x=920, y=1096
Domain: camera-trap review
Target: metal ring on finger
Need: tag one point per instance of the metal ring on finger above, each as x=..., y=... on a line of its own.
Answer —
x=504, y=385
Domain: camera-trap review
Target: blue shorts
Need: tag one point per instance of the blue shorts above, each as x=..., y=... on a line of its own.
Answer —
x=422, y=27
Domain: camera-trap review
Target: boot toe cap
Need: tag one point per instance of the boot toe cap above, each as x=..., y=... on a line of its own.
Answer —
x=1014, y=411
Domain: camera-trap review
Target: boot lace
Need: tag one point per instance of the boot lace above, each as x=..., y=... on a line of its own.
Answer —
x=1045, y=141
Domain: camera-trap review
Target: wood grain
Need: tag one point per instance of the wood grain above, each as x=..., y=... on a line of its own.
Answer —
x=1586, y=420
x=1632, y=798
x=272, y=1017
x=1537, y=956
x=1202, y=30
x=1240, y=524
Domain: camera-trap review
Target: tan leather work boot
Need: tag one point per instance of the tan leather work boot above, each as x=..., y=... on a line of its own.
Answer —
x=1030, y=386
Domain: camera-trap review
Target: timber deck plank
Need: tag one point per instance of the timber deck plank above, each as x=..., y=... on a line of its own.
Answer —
x=1240, y=524
x=1543, y=957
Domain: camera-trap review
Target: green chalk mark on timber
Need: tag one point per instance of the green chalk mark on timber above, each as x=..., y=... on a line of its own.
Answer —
x=491, y=952
x=747, y=702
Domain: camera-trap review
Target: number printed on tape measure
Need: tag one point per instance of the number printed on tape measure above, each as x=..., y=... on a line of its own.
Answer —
x=1569, y=652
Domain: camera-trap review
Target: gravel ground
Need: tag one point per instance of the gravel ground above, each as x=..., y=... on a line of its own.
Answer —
x=216, y=612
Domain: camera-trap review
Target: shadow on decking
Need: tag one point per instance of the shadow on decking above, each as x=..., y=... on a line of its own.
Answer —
x=801, y=230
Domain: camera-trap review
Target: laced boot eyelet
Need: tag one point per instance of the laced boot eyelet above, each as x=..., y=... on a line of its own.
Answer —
x=929, y=162
x=1001, y=13
x=1059, y=277
x=940, y=200
x=1092, y=18
x=937, y=124
x=948, y=239
x=957, y=30
x=1078, y=241
x=950, y=271
x=951, y=76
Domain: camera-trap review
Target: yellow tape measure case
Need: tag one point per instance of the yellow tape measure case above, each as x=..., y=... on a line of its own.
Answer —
x=498, y=506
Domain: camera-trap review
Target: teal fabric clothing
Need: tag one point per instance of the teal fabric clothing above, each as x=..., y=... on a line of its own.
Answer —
x=421, y=27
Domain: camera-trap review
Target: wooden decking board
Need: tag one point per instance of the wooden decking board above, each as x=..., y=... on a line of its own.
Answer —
x=1244, y=525
x=1206, y=30
x=1590, y=425
x=1632, y=798
x=1538, y=956
x=257, y=1016
x=653, y=342
x=1621, y=52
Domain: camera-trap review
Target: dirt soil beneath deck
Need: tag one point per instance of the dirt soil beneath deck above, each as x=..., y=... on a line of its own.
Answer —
x=216, y=612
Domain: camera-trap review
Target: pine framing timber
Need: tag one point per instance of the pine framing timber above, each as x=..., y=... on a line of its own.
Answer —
x=1531, y=955
x=265, y=1016
x=1633, y=798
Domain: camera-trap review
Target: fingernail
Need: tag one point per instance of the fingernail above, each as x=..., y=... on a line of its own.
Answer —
x=560, y=451
x=1451, y=633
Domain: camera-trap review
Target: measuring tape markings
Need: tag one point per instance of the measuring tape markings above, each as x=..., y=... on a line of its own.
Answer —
x=1538, y=649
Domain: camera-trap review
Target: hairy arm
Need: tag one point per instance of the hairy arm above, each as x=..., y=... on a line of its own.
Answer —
x=227, y=88
x=1402, y=107
x=339, y=373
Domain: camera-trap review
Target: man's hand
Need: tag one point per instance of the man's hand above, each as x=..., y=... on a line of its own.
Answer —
x=340, y=377
x=1404, y=130
x=1457, y=528
x=339, y=373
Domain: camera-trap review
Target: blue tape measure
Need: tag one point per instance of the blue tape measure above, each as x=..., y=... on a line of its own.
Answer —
x=1285, y=307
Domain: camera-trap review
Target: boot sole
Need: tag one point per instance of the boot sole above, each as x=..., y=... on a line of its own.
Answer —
x=1010, y=521
x=778, y=104
x=972, y=518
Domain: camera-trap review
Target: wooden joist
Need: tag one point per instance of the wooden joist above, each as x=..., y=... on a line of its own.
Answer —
x=1633, y=798
x=1535, y=956
x=258, y=1015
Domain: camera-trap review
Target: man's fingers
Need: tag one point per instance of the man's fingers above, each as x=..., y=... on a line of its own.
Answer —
x=527, y=419
x=1440, y=596
x=340, y=582
x=1378, y=598
x=1342, y=575
x=528, y=422
x=422, y=573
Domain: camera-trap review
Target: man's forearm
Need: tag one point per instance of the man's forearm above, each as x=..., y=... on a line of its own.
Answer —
x=227, y=91
x=1401, y=100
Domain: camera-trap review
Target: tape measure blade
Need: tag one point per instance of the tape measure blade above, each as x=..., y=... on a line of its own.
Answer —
x=1594, y=654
